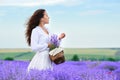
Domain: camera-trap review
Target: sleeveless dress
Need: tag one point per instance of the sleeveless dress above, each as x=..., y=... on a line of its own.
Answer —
x=39, y=44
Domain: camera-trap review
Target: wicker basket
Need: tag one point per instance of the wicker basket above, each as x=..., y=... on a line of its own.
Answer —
x=58, y=58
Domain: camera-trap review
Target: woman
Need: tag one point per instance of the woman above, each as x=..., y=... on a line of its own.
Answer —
x=37, y=36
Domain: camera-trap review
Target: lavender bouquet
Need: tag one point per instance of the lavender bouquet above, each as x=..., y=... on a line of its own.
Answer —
x=54, y=41
x=56, y=53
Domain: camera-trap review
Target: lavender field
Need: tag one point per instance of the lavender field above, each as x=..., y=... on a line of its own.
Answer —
x=70, y=70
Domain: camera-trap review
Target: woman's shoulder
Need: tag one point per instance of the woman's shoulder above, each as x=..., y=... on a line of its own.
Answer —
x=35, y=29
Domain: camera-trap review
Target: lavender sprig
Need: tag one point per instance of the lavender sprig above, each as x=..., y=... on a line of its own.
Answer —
x=54, y=41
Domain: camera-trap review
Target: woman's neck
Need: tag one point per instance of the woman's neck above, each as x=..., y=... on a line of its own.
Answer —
x=41, y=25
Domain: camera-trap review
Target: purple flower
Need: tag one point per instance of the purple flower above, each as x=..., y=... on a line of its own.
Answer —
x=54, y=41
x=70, y=70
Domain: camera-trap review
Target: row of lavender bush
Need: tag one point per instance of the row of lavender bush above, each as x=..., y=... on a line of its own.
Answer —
x=70, y=70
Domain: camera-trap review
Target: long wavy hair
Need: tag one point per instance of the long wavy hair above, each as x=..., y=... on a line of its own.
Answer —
x=32, y=23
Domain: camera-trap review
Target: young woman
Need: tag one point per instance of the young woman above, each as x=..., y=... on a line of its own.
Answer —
x=37, y=36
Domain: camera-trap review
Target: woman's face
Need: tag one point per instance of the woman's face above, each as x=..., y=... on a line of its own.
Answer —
x=45, y=18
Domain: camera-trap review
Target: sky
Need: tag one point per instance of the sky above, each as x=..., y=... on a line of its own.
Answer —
x=86, y=23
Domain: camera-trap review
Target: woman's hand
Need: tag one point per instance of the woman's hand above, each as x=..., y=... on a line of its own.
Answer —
x=51, y=46
x=61, y=36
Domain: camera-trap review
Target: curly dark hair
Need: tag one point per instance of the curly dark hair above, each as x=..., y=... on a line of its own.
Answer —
x=32, y=23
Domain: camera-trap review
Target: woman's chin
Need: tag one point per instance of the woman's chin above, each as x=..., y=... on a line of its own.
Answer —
x=47, y=23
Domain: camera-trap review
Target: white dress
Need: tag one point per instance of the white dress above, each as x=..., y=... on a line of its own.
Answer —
x=39, y=44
